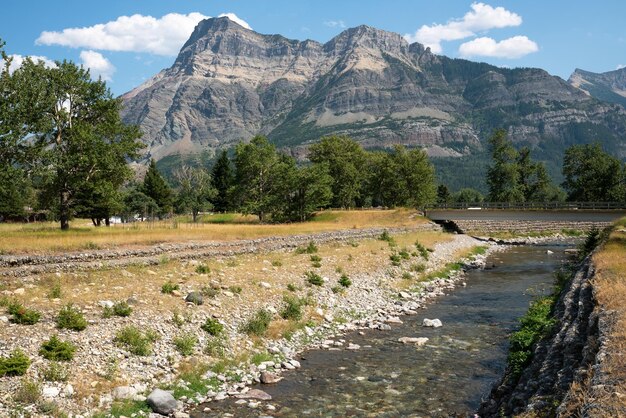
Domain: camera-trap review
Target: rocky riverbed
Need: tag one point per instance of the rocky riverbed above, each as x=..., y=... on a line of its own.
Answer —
x=102, y=371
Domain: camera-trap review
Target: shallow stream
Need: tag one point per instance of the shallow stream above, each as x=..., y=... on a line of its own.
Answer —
x=446, y=377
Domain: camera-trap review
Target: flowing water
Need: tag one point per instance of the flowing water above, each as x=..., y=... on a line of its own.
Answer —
x=446, y=377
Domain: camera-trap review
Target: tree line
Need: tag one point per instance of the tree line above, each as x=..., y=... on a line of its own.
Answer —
x=258, y=179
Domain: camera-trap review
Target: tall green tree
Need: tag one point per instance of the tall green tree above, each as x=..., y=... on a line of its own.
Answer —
x=503, y=175
x=156, y=187
x=417, y=176
x=346, y=163
x=592, y=175
x=74, y=131
x=255, y=168
x=195, y=190
x=223, y=178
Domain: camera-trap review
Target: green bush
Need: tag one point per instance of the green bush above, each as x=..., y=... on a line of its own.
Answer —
x=70, y=318
x=28, y=392
x=316, y=261
x=235, y=289
x=423, y=251
x=277, y=263
x=395, y=259
x=55, y=291
x=258, y=324
x=309, y=249
x=406, y=276
x=169, y=287
x=314, y=278
x=57, y=350
x=185, y=344
x=212, y=326
x=418, y=268
x=387, y=238
x=135, y=341
x=215, y=347
x=203, y=269
x=15, y=365
x=22, y=315
x=292, y=287
x=345, y=281
x=404, y=254
x=55, y=372
x=292, y=308
x=122, y=308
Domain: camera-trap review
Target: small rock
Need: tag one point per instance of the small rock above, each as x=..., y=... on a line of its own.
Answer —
x=19, y=291
x=434, y=323
x=265, y=285
x=162, y=402
x=181, y=414
x=295, y=363
x=50, y=392
x=195, y=298
x=106, y=304
x=255, y=394
x=405, y=295
x=124, y=392
x=353, y=347
x=393, y=320
x=268, y=378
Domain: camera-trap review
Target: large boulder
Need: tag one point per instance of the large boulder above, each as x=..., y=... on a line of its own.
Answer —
x=162, y=402
x=195, y=298
x=434, y=323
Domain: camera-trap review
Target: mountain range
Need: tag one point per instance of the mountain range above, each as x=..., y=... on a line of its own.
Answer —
x=230, y=83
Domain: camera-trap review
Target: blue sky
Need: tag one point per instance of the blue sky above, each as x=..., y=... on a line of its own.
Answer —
x=556, y=35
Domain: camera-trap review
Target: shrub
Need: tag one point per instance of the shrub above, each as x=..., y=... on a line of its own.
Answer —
x=423, y=251
x=57, y=350
x=122, y=308
x=404, y=254
x=337, y=289
x=15, y=365
x=258, y=324
x=28, y=392
x=406, y=276
x=55, y=373
x=185, y=344
x=135, y=341
x=345, y=281
x=387, y=238
x=215, y=347
x=70, y=318
x=292, y=308
x=277, y=263
x=316, y=261
x=314, y=278
x=309, y=249
x=395, y=259
x=292, y=287
x=209, y=291
x=418, y=268
x=55, y=291
x=22, y=315
x=212, y=326
x=235, y=289
x=169, y=287
x=203, y=269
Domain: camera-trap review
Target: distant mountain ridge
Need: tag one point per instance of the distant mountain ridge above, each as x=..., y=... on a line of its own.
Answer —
x=229, y=83
x=609, y=86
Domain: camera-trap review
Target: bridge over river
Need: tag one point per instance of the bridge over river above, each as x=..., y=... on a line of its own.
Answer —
x=487, y=219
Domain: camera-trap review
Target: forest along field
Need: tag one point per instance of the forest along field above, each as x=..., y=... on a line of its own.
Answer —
x=72, y=339
x=46, y=238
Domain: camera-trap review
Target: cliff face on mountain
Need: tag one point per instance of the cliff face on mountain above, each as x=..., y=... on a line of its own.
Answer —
x=229, y=83
x=609, y=86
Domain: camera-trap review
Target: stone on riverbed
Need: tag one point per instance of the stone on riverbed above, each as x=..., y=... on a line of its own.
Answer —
x=162, y=402
x=269, y=378
x=434, y=323
x=418, y=341
x=255, y=394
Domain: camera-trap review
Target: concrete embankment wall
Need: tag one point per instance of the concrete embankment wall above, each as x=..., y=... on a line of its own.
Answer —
x=566, y=357
x=484, y=226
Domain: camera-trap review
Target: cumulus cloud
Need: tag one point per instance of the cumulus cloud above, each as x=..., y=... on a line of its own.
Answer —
x=335, y=24
x=17, y=61
x=136, y=33
x=515, y=47
x=236, y=19
x=98, y=65
x=482, y=17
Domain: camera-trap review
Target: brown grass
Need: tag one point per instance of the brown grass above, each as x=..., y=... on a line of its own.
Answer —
x=46, y=237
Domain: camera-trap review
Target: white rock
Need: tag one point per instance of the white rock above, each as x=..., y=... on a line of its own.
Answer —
x=69, y=390
x=50, y=392
x=434, y=323
x=295, y=363
x=19, y=291
x=124, y=392
x=353, y=347
x=265, y=285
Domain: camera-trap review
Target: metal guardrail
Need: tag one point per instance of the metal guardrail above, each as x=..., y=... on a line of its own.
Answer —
x=532, y=205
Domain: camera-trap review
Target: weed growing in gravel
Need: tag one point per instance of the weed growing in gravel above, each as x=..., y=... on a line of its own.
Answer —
x=50, y=408
x=185, y=344
x=345, y=281
x=277, y=263
x=309, y=249
x=55, y=372
x=316, y=261
x=292, y=287
x=209, y=291
x=57, y=350
x=404, y=254
x=337, y=289
x=203, y=269
x=169, y=287
x=258, y=324
x=292, y=308
x=407, y=276
x=258, y=358
x=387, y=238
x=28, y=392
x=55, y=291
x=418, y=267
x=235, y=289
x=120, y=308
x=395, y=259
x=164, y=259
x=215, y=347
x=70, y=318
x=129, y=408
x=178, y=320
x=314, y=278
x=22, y=315
x=111, y=369
x=422, y=250
x=212, y=326
x=15, y=364
x=136, y=341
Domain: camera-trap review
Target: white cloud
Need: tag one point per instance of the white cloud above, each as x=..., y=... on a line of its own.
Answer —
x=98, y=65
x=136, y=33
x=236, y=19
x=482, y=17
x=515, y=47
x=335, y=24
x=17, y=61
x=620, y=66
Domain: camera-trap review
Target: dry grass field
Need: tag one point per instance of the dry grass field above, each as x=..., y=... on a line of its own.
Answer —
x=38, y=238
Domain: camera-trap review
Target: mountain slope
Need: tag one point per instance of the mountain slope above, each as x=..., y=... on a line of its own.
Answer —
x=609, y=86
x=229, y=83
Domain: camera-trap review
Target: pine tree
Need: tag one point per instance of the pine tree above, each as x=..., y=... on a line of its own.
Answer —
x=222, y=182
x=156, y=188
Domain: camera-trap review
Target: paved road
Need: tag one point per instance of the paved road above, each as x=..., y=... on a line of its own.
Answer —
x=526, y=215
